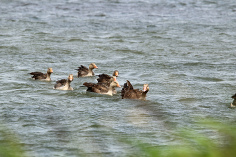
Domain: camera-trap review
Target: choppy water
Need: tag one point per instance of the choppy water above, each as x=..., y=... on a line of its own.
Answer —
x=184, y=49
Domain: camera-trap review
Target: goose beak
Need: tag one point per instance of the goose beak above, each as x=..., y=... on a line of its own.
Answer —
x=118, y=85
x=95, y=67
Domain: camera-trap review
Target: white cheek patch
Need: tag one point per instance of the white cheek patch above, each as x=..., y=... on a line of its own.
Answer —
x=144, y=88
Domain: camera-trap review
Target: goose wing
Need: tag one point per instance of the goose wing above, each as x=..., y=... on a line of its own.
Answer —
x=60, y=83
x=38, y=75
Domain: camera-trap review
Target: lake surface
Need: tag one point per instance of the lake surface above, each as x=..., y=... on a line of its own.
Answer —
x=184, y=49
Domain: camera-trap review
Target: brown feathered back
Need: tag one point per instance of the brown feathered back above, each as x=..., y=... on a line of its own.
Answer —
x=38, y=75
x=104, y=78
x=60, y=83
x=97, y=88
x=82, y=71
x=128, y=92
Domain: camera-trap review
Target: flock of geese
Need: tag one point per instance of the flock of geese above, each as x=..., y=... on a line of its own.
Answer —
x=106, y=84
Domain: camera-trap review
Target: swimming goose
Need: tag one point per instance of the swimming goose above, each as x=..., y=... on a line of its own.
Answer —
x=101, y=88
x=64, y=84
x=128, y=92
x=42, y=76
x=104, y=78
x=233, y=104
x=84, y=71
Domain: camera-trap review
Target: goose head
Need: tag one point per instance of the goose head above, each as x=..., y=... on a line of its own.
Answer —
x=70, y=77
x=145, y=88
x=50, y=71
x=93, y=66
x=116, y=73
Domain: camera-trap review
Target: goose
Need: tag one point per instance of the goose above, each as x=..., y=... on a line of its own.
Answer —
x=85, y=72
x=42, y=76
x=64, y=84
x=128, y=92
x=104, y=78
x=101, y=88
x=233, y=104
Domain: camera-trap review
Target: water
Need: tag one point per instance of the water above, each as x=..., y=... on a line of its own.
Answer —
x=184, y=50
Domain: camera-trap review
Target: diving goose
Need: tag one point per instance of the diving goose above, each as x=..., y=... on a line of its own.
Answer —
x=104, y=78
x=42, y=76
x=101, y=88
x=64, y=84
x=84, y=71
x=128, y=92
x=233, y=104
